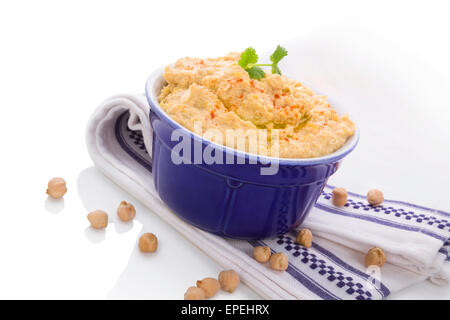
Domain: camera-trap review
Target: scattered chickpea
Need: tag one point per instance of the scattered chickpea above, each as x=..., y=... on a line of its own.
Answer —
x=209, y=285
x=339, y=197
x=304, y=237
x=148, y=242
x=98, y=219
x=194, y=293
x=279, y=261
x=375, y=197
x=375, y=257
x=261, y=254
x=126, y=211
x=57, y=188
x=229, y=280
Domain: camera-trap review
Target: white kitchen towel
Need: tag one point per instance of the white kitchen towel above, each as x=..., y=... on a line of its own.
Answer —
x=415, y=239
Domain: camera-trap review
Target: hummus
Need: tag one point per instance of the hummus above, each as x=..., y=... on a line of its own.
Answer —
x=218, y=94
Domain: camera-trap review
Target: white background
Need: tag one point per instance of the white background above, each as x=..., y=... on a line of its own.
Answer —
x=59, y=59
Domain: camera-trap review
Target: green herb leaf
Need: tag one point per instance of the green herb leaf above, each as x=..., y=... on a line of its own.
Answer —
x=256, y=73
x=276, y=70
x=249, y=60
x=247, y=57
x=278, y=54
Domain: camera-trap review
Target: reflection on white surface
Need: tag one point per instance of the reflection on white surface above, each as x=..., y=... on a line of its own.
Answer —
x=122, y=227
x=54, y=205
x=95, y=236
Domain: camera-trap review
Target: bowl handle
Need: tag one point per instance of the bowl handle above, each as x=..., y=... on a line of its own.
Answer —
x=138, y=120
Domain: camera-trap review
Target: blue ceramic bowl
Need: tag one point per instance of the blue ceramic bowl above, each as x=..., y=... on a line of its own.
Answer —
x=234, y=200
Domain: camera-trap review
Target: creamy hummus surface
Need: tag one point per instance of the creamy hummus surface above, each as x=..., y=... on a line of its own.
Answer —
x=218, y=94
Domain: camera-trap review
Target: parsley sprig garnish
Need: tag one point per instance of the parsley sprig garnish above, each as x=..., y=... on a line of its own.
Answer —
x=249, y=60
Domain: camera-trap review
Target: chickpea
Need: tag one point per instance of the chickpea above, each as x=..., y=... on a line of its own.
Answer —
x=304, y=237
x=194, y=293
x=375, y=197
x=148, y=242
x=261, y=254
x=126, y=211
x=209, y=285
x=375, y=257
x=279, y=261
x=229, y=280
x=56, y=188
x=98, y=219
x=339, y=197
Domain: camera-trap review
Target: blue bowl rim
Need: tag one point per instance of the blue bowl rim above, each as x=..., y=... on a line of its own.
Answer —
x=156, y=78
